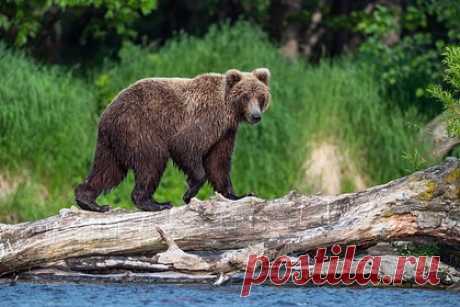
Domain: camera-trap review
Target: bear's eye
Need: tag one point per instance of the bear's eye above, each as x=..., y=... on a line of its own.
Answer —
x=261, y=101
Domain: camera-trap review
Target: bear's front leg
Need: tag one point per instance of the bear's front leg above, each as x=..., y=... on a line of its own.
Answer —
x=218, y=167
x=196, y=179
x=142, y=200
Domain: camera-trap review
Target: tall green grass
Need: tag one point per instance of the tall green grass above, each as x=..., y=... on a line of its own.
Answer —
x=337, y=100
x=47, y=129
x=345, y=104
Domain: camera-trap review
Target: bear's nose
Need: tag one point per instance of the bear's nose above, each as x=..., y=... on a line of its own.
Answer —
x=255, y=117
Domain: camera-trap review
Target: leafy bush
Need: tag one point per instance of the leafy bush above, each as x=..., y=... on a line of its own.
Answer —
x=405, y=66
x=24, y=19
x=450, y=98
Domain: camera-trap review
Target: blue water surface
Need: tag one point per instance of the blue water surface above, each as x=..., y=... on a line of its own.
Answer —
x=137, y=295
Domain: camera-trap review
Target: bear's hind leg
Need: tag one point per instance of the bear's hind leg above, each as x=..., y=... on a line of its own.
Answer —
x=147, y=177
x=106, y=173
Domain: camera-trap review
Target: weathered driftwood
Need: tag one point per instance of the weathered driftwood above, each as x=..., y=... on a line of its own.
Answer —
x=210, y=240
x=448, y=275
x=57, y=275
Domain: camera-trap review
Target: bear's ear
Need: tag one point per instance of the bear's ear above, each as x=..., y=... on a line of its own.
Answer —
x=232, y=77
x=263, y=74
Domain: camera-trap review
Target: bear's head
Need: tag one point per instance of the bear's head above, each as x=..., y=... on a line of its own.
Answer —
x=249, y=93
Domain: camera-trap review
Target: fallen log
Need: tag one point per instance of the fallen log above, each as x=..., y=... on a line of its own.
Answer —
x=449, y=276
x=208, y=240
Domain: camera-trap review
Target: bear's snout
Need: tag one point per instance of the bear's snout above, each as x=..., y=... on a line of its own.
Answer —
x=255, y=117
x=254, y=113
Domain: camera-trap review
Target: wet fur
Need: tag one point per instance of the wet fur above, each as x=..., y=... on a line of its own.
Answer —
x=191, y=121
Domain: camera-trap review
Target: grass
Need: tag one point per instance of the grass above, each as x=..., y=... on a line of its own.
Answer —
x=47, y=122
x=333, y=99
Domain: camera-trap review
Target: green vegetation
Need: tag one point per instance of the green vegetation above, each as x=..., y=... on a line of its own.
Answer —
x=47, y=120
x=404, y=47
x=24, y=19
x=418, y=249
x=450, y=98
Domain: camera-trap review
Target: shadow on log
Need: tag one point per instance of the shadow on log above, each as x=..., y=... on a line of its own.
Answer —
x=210, y=241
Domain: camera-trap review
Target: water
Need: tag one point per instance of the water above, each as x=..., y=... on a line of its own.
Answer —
x=141, y=295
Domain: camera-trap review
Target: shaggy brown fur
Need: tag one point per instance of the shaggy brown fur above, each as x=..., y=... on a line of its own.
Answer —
x=192, y=121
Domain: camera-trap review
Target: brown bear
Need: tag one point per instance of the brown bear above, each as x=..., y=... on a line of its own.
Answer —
x=192, y=121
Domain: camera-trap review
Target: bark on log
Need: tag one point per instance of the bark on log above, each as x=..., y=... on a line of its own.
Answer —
x=217, y=235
